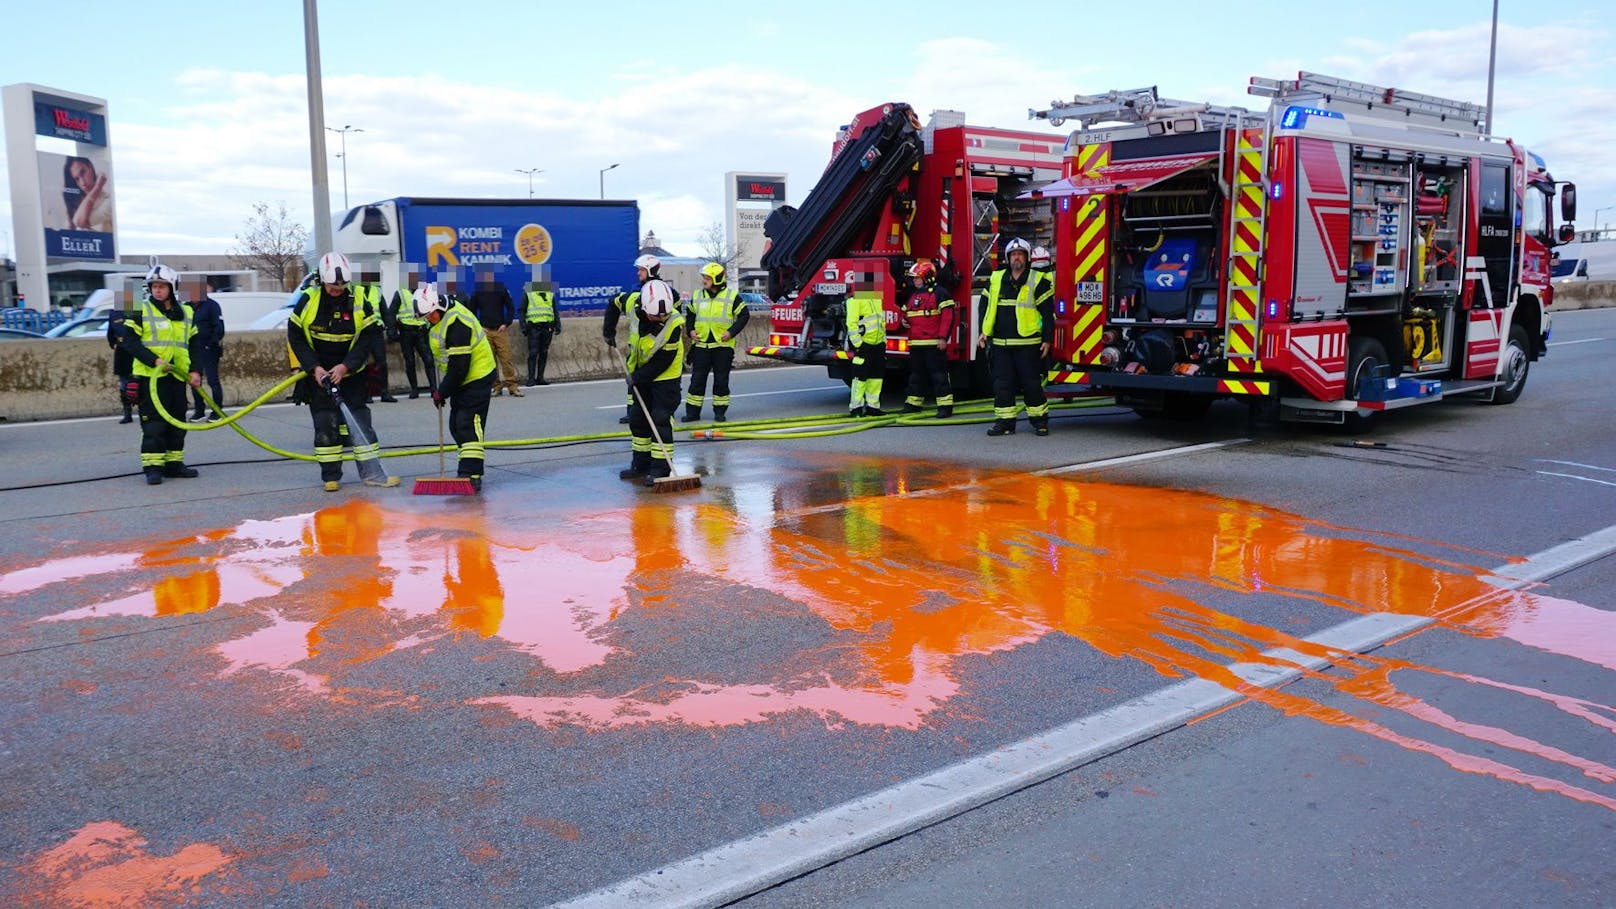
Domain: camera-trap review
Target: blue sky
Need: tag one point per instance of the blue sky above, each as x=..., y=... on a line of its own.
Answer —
x=208, y=113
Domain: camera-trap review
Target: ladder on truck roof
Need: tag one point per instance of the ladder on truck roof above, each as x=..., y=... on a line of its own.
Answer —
x=1385, y=103
x=1134, y=105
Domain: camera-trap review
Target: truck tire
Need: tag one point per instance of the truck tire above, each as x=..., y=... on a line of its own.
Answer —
x=1517, y=363
x=1365, y=355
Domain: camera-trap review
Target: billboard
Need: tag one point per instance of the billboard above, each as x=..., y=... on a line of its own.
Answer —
x=585, y=248
x=749, y=199
x=76, y=204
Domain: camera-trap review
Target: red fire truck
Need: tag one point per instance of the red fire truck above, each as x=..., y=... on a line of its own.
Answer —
x=895, y=191
x=1350, y=250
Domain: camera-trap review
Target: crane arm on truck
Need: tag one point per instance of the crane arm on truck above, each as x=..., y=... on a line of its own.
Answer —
x=845, y=201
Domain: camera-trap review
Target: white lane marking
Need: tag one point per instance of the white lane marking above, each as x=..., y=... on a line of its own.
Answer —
x=1136, y=458
x=760, y=394
x=1578, y=341
x=747, y=866
x=1572, y=476
x=1576, y=464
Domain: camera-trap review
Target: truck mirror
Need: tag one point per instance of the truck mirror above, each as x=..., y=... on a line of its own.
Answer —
x=1568, y=202
x=1567, y=233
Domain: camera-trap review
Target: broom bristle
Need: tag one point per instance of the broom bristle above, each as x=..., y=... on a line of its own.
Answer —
x=675, y=483
x=443, y=486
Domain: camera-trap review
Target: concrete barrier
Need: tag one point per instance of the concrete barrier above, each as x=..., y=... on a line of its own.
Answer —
x=1585, y=295
x=72, y=377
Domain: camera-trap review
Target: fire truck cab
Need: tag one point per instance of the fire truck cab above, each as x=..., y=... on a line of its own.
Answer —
x=1350, y=250
x=894, y=192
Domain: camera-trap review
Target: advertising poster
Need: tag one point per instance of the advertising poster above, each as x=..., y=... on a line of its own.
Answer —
x=76, y=204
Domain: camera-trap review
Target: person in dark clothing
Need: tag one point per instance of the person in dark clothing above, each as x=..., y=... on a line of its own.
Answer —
x=369, y=286
x=1018, y=321
x=930, y=317
x=210, y=346
x=656, y=361
x=409, y=330
x=466, y=361
x=122, y=363
x=161, y=340
x=331, y=333
x=491, y=303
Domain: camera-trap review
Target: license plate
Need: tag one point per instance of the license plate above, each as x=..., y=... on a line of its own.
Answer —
x=828, y=288
x=1090, y=292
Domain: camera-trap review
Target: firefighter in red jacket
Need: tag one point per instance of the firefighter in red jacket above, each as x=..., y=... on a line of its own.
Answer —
x=931, y=318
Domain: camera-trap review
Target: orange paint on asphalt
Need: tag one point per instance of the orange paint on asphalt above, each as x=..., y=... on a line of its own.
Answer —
x=105, y=865
x=893, y=580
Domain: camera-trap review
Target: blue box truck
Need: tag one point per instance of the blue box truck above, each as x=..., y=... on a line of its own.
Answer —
x=584, y=247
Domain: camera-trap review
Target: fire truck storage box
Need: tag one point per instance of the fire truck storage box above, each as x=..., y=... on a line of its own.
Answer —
x=1380, y=389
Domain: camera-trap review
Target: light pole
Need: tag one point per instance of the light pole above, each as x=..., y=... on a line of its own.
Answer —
x=322, y=191
x=1492, y=58
x=344, y=156
x=603, y=178
x=530, y=171
x=1597, y=213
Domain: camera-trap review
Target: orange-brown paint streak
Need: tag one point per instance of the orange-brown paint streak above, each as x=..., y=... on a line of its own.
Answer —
x=105, y=865
x=905, y=578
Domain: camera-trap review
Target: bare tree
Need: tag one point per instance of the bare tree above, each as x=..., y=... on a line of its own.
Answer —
x=715, y=246
x=272, y=244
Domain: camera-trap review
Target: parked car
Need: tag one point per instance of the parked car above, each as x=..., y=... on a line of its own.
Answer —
x=276, y=318
x=80, y=327
x=756, y=303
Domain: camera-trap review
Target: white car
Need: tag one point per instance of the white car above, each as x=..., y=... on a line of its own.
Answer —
x=276, y=318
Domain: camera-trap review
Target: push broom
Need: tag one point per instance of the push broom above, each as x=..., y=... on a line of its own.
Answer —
x=441, y=485
x=672, y=482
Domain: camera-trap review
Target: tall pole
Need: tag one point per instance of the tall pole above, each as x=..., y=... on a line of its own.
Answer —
x=530, y=171
x=1492, y=60
x=346, y=129
x=603, y=179
x=322, y=188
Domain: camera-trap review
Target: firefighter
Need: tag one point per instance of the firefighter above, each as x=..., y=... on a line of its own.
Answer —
x=162, y=340
x=931, y=318
x=646, y=268
x=465, y=359
x=1018, y=325
x=714, y=320
x=369, y=289
x=1042, y=263
x=540, y=325
x=410, y=331
x=655, y=362
x=331, y=333
x=867, y=337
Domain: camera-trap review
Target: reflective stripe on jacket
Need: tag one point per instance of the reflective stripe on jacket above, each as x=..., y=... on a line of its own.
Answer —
x=482, y=353
x=866, y=320
x=540, y=307
x=715, y=313
x=647, y=346
x=167, y=338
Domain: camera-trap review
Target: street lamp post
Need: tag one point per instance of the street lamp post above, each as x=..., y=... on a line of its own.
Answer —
x=530, y=171
x=603, y=178
x=1597, y=213
x=1492, y=58
x=344, y=156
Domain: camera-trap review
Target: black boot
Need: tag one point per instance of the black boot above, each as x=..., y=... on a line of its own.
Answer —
x=633, y=472
x=1040, y=427
x=1002, y=428
x=719, y=414
x=179, y=470
x=692, y=414
x=856, y=412
x=944, y=411
x=127, y=416
x=873, y=411
x=912, y=408
x=154, y=476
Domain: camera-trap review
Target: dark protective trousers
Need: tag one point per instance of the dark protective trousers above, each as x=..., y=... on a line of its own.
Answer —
x=412, y=341
x=378, y=370
x=661, y=398
x=715, y=360
x=161, y=442
x=1018, y=369
x=330, y=431
x=468, y=420
x=538, y=351
x=207, y=363
x=928, y=375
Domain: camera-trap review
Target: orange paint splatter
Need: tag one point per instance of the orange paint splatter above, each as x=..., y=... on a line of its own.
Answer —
x=105, y=865
x=557, y=828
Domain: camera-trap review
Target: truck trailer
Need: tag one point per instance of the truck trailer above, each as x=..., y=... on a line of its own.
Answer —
x=585, y=248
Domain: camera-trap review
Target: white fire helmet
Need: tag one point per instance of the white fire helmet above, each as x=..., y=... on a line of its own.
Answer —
x=164, y=274
x=1040, y=257
x=656, y=300
x=335, y=269
x=648, y=262
x=427, y=300
x=1020, y=245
